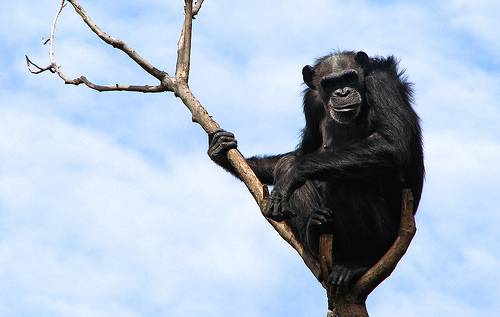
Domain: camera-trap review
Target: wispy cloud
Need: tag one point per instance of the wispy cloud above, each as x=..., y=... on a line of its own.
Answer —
x=110, y=207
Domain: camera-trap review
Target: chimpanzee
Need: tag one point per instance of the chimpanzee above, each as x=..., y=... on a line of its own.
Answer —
x=360, y=147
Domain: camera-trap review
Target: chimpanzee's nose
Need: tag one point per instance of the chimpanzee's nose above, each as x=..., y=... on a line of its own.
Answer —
x=342, y=92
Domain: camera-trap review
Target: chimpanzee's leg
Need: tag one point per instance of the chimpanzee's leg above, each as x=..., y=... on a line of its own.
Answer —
x=301, y=203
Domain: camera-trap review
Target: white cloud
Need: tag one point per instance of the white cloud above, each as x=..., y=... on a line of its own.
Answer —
x=75, y=205
x=479, y=19
x=109, y=206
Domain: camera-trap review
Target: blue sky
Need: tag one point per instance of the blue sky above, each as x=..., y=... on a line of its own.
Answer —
x=109, y=205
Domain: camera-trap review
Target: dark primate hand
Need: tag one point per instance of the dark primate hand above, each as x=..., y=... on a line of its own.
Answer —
x=320, y=220
x=278, y=208
x=219, y=143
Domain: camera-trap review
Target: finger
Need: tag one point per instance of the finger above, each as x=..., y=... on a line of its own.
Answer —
x=211, y=135
x=323, y=211
x=270, y=206
x=319, y=222
x=226, y=139
x=330, y=279
x=219, y=134
x=341, y=281
x=277, y=209
x=225, y=133
x=272, y=202
x=338, y=281
x=216, y=150
x=220, y=145
x=333, y=282
x=226, y=146
x=222, y=134
x=319, y=218
x=287, y=211
x=315, y=222
x=348, y=278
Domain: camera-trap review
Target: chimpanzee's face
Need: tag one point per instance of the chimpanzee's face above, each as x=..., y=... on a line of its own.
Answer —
x=339, y=79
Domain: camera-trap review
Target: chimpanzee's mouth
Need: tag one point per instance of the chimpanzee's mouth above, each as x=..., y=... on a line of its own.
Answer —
x=346, y=108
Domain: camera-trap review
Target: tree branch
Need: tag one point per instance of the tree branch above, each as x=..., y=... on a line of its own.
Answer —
x=197, y=7
x=166, y=82
x=37, y=69
x=117, y=87
x=184, y=44
x=386, y=265
x=352, y=302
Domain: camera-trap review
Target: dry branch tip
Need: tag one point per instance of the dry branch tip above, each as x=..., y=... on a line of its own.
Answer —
x=39, y=69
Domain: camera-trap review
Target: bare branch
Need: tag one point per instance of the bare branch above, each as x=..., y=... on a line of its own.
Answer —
x=325, y=256
x=184, y=44
x=386, y=265
x=37, y=69
x=166, y=82
x=117, y=43
x=117, y=87
x=352, y=303
x=197, y=7
x=53, y=68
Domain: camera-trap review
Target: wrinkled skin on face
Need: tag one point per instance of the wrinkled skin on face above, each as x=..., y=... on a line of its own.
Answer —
x=340, y=83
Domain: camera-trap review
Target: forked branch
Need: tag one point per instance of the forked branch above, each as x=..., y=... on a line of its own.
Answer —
x=386, y=265
x=166, y=83
x=352, y=303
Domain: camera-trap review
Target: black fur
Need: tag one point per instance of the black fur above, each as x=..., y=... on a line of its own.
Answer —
x=346, y=176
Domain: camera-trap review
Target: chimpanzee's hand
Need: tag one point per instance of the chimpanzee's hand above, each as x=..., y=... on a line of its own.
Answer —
x=320, y=221
x=219, y=143
x=278, y=208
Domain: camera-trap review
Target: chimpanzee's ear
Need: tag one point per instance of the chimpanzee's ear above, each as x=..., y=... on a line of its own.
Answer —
x=362, y=59
x=307, y=75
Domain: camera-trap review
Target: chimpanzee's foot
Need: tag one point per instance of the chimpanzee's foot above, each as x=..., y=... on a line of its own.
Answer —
x=342, y=277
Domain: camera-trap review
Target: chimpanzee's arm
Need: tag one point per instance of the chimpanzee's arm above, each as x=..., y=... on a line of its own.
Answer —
x=263, y=166
x=370, y=158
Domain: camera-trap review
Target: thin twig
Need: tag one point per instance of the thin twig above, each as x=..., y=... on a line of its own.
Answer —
x=39, y=69
x=197, y=7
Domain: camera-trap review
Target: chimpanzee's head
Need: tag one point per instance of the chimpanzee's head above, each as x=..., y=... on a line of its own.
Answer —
x=339, y=80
